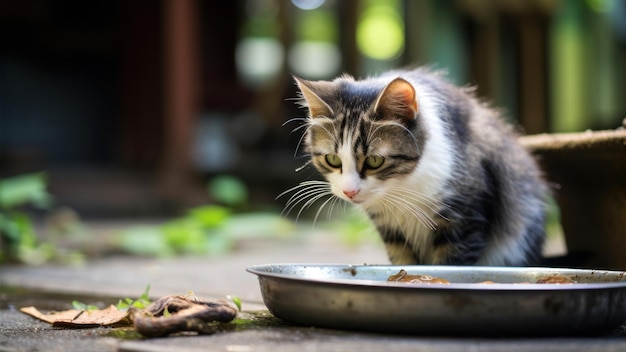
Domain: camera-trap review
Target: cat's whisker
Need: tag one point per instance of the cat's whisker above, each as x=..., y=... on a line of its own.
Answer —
x=332, y=206
x=396, y=206
x=431, y=203
x=302, y=185
x=300, y=140
x=388, y=209
x=332, y=197
x=302, y=196
x=301, y=193
x=419, y=213
x=306, y=194
x=294, y=120
x=333, y=136
x=407, y=195
x=305, y=165
x=300, y=127
x=311, y=201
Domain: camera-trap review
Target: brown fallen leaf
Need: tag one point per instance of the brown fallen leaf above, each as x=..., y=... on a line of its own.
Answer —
x=167, y=315
x=80, y=319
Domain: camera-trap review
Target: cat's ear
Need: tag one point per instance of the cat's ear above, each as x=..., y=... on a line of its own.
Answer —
x=398, y=99
x=317, y=106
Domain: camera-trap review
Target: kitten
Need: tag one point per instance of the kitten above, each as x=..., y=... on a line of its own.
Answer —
x=442, y=178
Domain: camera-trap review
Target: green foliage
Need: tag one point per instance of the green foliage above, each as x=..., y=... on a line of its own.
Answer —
x=236, y=300
x=142, y=302
x=24, y=189
x=207, y=229
x=209, y=216
x=228, y=190
x=82, y=306
x=123, y=304
x=553, y=218
x=18, y=240
x=317, y=26
x=204, y=230
x=193, y=233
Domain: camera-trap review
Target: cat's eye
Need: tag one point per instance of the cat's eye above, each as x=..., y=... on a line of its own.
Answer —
x=374, y=161
x=333, y=160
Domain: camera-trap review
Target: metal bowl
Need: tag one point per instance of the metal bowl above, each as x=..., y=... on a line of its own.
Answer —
x=358, y=297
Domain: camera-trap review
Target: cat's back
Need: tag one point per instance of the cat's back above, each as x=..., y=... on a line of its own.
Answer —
x=494, y=180
x=476, y=129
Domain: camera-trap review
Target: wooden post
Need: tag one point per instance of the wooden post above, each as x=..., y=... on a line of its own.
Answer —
x=181, y=72
x=533, y=104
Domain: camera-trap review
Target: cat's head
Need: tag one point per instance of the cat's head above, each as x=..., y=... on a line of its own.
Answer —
x=363, y=136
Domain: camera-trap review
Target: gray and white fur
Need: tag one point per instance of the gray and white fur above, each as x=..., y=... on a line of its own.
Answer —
x=440, y=175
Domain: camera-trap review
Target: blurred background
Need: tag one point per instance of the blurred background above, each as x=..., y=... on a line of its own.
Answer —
x=130, y=107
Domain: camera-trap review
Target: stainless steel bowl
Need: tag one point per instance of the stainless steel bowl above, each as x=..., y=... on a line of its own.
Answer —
x=357, y=297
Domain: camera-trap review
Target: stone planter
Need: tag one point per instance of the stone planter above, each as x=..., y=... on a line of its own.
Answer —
x=588, y=171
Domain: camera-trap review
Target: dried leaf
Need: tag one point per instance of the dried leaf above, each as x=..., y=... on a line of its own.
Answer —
x=79, y=319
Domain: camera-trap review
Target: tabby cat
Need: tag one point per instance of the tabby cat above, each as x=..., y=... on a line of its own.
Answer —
x=441, y=177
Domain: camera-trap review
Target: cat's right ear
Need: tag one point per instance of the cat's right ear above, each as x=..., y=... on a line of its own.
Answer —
x=398, y=99
x=317, y=106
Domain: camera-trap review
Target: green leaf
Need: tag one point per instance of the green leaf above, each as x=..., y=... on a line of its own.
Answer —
x=209, y=216
x=185, y=236
x=258, y=225
x=146, y=294
x=9, y=228
x=144, y=300
x=79, y=305
x=24, y=189
x=82, y=306
x=218, y=243
x=36, y=254
x=228, y=190
x=25, y=229
x=122, y=305
x=145, y=240
x=140, y=303
x=236, y=300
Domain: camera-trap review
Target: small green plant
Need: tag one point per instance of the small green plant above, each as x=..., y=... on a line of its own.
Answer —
x=123, y=304
x=236, y=300
x=18, y=241
x=140, y=303
x=82, y=306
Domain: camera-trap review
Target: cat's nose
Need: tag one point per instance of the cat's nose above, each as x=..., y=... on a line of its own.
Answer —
x=351, y=194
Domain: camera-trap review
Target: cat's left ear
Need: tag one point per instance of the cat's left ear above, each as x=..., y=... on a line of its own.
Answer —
x=317, y=106
x=398, y=99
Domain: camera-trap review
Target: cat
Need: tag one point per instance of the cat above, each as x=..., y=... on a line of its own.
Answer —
x=441, y=176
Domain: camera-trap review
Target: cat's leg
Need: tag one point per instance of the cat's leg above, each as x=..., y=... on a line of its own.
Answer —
x=459, y=245
x=400, y=254
x=398, y=249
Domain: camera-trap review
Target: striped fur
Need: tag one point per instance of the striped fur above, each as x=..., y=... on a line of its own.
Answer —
x=454, y=186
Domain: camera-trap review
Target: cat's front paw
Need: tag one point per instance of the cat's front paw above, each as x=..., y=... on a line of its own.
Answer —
x=400, y=254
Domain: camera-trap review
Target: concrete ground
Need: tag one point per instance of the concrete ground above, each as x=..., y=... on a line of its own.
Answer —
x=103, y=280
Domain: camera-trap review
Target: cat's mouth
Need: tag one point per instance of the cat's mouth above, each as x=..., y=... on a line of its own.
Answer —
x=356, y=200
x=351, y=197
x=360, y=197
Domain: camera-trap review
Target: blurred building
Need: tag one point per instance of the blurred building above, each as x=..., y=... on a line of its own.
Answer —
x=130, y=106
